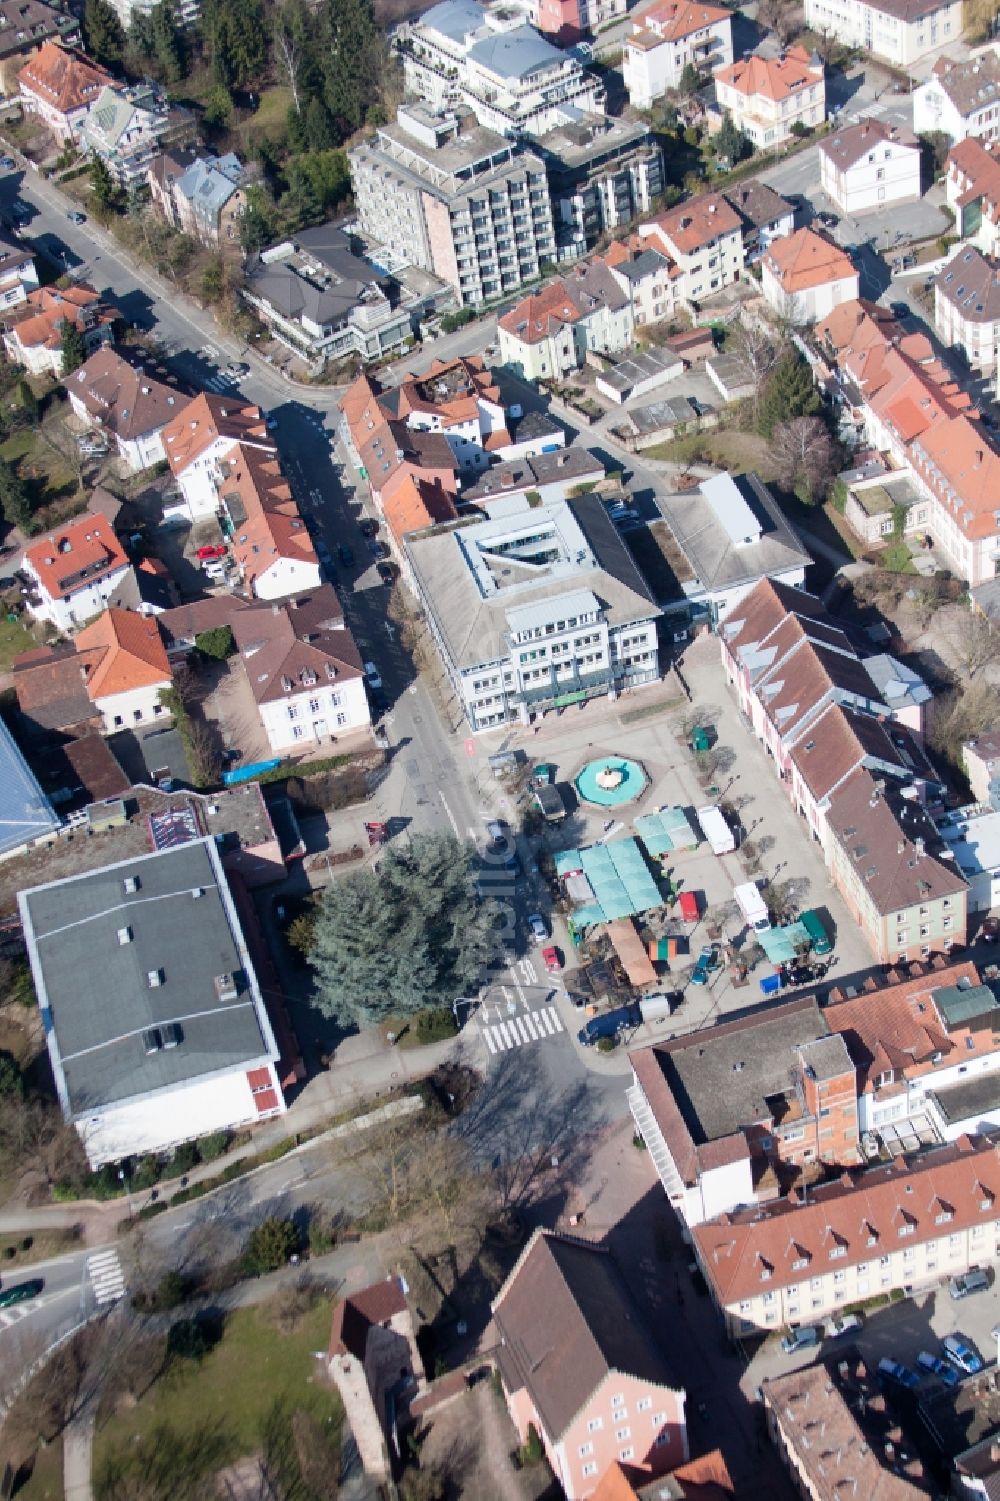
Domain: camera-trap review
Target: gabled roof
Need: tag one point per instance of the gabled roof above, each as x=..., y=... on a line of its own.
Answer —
x=355, y=1316
x=672, y=20
x=961, y=457
x=410, y=502
x=132, y=654
x=51, y=694
x=841, y=738
x=75, y=554
x=971, y=283
x=542, y=313
x=805, y=259
x=694, y=224
x=25, y=23
x=64, y=79
x=856, y=325
x=971, y=85
x=450, y=390
x=205, y=419
x=253, y=484
x=978, y=168
x=567, y=1321
x=706, y=1478
x=291, y=647
x=851, y=144
x=122, y=397
x=773, y=78
x=758, y=204
x=38, y=321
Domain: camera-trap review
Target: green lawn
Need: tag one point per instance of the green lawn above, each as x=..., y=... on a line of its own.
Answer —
x=36, y=461
x=46, y=1483
x=897, y=558
x=14, y=639
x=724, y=448
x=232, y=1390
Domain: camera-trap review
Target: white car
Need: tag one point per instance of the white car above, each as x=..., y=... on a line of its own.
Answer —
x=372, y=674
x=214, y=568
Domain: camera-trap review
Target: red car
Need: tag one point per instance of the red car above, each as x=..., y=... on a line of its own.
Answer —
x=215, y=550
x=551, y=958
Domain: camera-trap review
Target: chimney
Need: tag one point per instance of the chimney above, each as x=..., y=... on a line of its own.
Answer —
x=918, y=845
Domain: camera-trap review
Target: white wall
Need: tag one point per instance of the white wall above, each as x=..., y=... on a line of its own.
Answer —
x=81, y=606
x=890, y=173
x=287, y=576
x=160, y=1120
x=346, y=699
x=120, y=711
x=911, y=1101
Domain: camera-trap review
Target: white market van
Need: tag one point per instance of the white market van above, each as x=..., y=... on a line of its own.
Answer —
x=753, y=906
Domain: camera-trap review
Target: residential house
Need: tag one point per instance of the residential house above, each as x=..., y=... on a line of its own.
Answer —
x=763, y=213
x=899, y=32
x=186, y=12
x=533, y=608
x=459, y=55
x=804, y=276
x=959, y=465
x=967, y=307
x=466, y=204
x=73, y=571
x=304, y=670
x=860, y=1450
x=892, y=868
x=908, y=1225
x=667, y=38
x=125, y=668
x=547, y=477
x=412, y=475
x=24, y=26
x=458, y=398
x=961, y=99
x=972, y=192
x=703, y=237
x=876, y=497
x=981, y=764
x=127, y=127
x=568, y=21
x=767, y=96
x=732, y=534
x=374, y=1362
x=648, y=280
x=409, y=502
x=114, y=392
x=52, y=696
x=548, y=334
x=322, y=301
x=925, y=1052
x=206, y=200
x=59, y=84
x=706, y=1478
x=18, y=273
x=200, y=435
x=156, y=1027
x=148, y=589
x=870, y=165
x=735, y=1113
x=580, y=1366
x=33, y=329
x=270, y=541
x=602, y=172
x=183, y=624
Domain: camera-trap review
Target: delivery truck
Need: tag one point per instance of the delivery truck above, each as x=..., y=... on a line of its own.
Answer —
x=752, y=906
x=716, y=830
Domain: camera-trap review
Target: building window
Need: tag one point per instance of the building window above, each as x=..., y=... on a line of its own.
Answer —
x=621, y=1434
x=644, y=1404
x=137, y=716
x=595, y=1425
x=626, y=1454
x=590, y=1469
x=297, y=732
x=586, y=1449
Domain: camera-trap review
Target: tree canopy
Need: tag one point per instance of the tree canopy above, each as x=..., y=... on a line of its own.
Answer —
x=71, y=346
x=408, y=935
x=788, y=392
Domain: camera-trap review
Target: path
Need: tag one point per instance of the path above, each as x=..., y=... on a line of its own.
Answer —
x=78, y=1453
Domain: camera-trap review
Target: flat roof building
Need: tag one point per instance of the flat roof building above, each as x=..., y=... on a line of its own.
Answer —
x=154, y=1019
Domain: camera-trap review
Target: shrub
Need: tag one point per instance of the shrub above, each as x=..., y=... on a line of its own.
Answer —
x=531, y=1449
x=321, y=1236
x=11, y=1077
x=188, y=1340
x=435, y=1025
x=183, y=1160
x=212, y=1146
x=144, y=1173
x=607, y=1044
x=270, y=1246
x=216, y=643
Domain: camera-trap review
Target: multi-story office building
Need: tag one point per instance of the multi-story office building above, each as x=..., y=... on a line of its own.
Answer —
x=468, y=205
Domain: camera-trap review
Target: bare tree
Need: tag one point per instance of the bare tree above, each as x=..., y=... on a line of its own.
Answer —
x=57, y=435
x=758, y=347
x=288, y=57
x=778, y=16
x=972, y=640
x=961, y=714
x=802, y=451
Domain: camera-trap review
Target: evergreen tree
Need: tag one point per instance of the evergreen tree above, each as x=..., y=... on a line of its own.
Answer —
x=410, y=936
x=103, y=33
x=690, y=81
x=257, y=227
x=355, y=60
x=14, y=501
x=71, y=347
x=318, y=127
x=788, y=392
x=218, y=111
x=732, y=143
x=169, y=42
x=102, y=184
x=237, y=41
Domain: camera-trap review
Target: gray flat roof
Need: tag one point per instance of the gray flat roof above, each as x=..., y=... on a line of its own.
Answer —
x=469, y=585
x=667, y=412
x=631, y=369
x=93, y=982
x=25, y=812
x=717, y=562
x=720, y=1078
x=969, y=1100
x=517, y=53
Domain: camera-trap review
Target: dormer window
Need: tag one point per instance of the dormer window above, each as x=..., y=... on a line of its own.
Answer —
x=884, y=1078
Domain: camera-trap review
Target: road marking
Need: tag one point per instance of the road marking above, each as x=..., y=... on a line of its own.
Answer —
x=501, y=1030
x=451, y=816
x=487, y=1033
x=520, y=1031
x=526, y=1021
x=105, y=1272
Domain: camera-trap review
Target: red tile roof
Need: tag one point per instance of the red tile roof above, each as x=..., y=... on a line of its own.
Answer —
x=692, y=225
x=253, y=482
x=132, y=654
x=806, y=259
x=958, y=455
x=756, y=1249
x=356, y=1315
x=207, y=418
x=65, y=80
x=75, y=555
x=774, y=78
x=38, y=321
x=976, y=170
x=534, y=318
x=672, y=20
x=410, y=502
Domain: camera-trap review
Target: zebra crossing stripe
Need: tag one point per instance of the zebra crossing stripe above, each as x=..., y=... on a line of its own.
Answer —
x=488, y=1034
x=527, y=1021
x=545, y=1021
x=502, y=1029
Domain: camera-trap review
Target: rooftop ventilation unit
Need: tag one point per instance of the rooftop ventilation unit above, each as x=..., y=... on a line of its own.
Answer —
x=154, y=978
x=225, y=986
x=131, y=884
x=124, y=936
x=151, y=1040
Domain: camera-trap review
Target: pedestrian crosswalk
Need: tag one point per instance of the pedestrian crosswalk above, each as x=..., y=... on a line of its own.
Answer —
x=517, y=1031
x=105, y=1272
x=19, y=1311
x=220, y=384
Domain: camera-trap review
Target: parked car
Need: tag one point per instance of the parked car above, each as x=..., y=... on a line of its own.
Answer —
x=551, y=959
x=214, y=569
x=387, y=574
x=21, y=1292
x=368, y=526
x=968, y=1283
x=990, y=930
x=538, y=926
x=378, y=549
x=707, y=960
x=324, y=554
x=238, y=369
x=938, y=1367
x=213, y=550
x=345, y=554
x=828, y=221
x=373, y=675
x=844, y=1323
x=619, y=511
x=609, y=1024
x=800, y=1339
x=901, y=1374
x=961, y=1354
x=75, y=217
x=900, y=310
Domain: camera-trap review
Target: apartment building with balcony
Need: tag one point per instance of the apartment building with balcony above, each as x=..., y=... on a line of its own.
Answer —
x=668, y=37
x=548, y=334
x=18, y=273
x=766, y=96
x=967, y=307
x=487, y=60
x=128, y=126
x=972, y=192
x=567, y=21
x=533, y=608
x=467, y=204
x=734, y=1114
x=898, y=31
x=200, y=436
x=73, y=571
x=603, y=173
x=961, y=99
x=908, y=1225
x=703, y=237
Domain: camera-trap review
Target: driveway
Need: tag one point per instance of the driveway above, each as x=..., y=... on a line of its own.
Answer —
x=230, y=705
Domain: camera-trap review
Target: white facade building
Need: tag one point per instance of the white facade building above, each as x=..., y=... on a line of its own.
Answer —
x=703, y=237
x=74, y=571
x=898, y=31
x=961, y=100
x=669, y=37
x=967, y=307
x=767, y=96
x=156, y=1028
x=869, y=166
